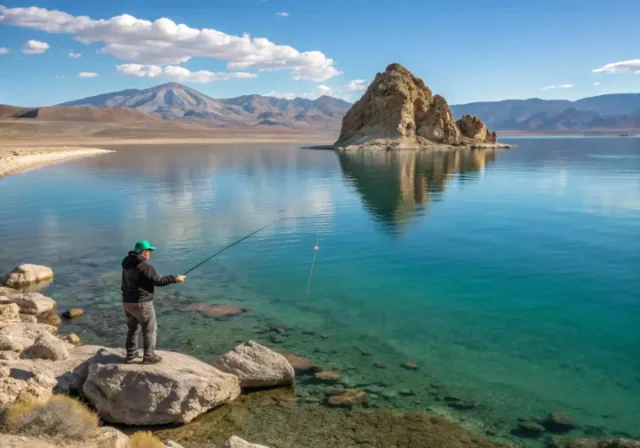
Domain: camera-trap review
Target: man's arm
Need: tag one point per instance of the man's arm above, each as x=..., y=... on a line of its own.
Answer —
x=150, y=272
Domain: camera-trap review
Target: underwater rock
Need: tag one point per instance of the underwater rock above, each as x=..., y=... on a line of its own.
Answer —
x=300, y=364
x=257, y=366
x=366, y=353
x=410, y=365
x=26, y=274
x=529, y=429
x=612, y=443
x=216, y=311
x=73, y=313
x=406, y=393
x=328, y=376
x=558, y=422
x=345, y=398
x=177, y=390
x=379, y=365
x=459, y=403
x=276, y=338
x=237, y=442
x=325, y=335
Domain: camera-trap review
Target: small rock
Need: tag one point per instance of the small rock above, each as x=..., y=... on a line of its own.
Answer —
x=379, y=365
x=216, y=311
x=50, y=318
x=280, y=330
x=276, y=338
x=30, y=302
x=300, y=364
x=406, y=393
x=9, y=312
x=5, y=371
x=388, y=395
x=611, y=443
x=325, y=335
x=9, y=344
x=558, y=422
x=171, y=444
x=366, y=353
x=328, y=376
x=8, y=356
x=530, y=429
x=346, y=398
x=26, y=274
x=47, y=346
x=310, y=400
x=237, y=442
x=73, y=313
x=72, y=339
x=459, y=403
x=410, y=365
x=28, y=318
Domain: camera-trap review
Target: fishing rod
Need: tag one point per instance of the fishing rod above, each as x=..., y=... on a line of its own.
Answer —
x=231, y=245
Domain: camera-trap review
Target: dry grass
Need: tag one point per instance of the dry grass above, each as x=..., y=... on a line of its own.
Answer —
x=145, y=440
x=60, y=416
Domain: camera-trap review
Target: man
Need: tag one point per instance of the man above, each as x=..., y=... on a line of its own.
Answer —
x=139, y=279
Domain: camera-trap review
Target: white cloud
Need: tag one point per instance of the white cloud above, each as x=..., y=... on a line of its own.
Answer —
x=561, y=86
x=357, y=85
x=596, y=83
x=74, y=55
x=324, y=90
x=178, y=73
x=87, y=74
x=165, y=42
x=631, y=66
x=32, y=46
x=4, y=50
x=282, y=14
x=60, y=76
x=286, y=96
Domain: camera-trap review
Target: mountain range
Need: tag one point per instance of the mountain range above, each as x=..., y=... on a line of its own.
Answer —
x=176, y=101
x=615, y=112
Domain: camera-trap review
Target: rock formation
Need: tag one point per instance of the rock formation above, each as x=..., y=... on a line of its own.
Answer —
x=26, y=274
x=398, y=111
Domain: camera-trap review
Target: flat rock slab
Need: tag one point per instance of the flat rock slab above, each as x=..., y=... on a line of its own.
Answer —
x=26, y=274
x=257, y=366
x=176, y=390
x=217, y=310
x=29, y=302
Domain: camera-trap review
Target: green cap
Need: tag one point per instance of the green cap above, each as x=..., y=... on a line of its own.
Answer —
x=143, y=245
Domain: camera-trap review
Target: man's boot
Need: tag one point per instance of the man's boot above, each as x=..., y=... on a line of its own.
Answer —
x=151, y=359
x=131, y=357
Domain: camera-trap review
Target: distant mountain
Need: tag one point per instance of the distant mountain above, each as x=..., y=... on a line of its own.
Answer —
x=176, y=101
x=605, y=112
x=91, y=114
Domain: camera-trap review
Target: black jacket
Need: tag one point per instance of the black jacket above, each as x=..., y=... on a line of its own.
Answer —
x=139, y=279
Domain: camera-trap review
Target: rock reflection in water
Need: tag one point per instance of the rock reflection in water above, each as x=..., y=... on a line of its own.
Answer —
x=397, y=185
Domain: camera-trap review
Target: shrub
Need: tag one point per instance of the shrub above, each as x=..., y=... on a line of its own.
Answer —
x=145, y=440
x=59, y=416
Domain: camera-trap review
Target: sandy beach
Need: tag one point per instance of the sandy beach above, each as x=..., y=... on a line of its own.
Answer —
x=15, y=159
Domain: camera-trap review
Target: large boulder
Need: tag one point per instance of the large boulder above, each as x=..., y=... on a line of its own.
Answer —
x=47, y=346
x=237, y=442
x=29, y=302
x=26, y=274
x=174, y=391
x=257, y=366
x=9, y=312
x=398, y=111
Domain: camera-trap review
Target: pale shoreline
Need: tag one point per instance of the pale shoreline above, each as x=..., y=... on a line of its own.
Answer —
x=16, y=159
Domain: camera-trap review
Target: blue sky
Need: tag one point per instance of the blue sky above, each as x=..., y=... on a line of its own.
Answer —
x=464, y=50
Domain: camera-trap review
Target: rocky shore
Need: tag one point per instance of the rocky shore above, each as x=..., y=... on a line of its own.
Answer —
x=398, y=111
x=205, y=405
x=15, y=159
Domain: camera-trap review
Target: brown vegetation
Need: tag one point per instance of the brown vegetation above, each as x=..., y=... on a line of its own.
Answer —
x=145, y=440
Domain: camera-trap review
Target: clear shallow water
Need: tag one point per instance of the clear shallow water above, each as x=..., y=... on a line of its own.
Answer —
x=510, y=278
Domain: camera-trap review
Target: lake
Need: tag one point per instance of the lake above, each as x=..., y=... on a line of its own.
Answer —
x=510, y=278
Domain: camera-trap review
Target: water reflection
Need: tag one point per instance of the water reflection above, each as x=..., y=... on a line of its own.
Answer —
x=397, y=186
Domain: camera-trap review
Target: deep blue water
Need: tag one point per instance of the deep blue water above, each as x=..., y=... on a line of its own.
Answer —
x=510, y=278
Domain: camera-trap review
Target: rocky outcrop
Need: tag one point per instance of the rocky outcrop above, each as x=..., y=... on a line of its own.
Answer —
x=174, y=391
x=9, y=312
x=26, y=274
x=257, y=366
x=29, y=302
x=47, y=346
x=398, y=111
x=237, y=442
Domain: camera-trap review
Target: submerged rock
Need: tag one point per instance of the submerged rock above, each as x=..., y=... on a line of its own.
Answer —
x=237, y=442
x=398, y=111
x=530, y=429
x=300, y=364
x=26, y=274
x=611, y=443
x=73, y=313
x=176, y=390
x=558, y=422
x=216, y=311
x=257, y=366
x=345, y=398
x=410, y=365
x=328, y=376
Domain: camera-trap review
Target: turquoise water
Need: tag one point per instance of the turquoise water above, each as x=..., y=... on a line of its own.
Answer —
x=510, y=278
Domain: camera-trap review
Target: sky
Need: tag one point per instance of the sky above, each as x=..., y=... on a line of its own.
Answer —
x=53, y=51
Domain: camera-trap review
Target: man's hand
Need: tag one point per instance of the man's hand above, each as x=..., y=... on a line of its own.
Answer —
x=180, y=278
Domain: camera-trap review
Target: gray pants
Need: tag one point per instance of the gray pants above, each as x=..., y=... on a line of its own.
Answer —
x=141, y=315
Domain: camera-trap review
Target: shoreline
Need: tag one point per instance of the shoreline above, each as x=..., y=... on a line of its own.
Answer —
x=18, y=159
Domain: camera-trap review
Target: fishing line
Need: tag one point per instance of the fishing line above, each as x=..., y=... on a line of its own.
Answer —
x=313, y=265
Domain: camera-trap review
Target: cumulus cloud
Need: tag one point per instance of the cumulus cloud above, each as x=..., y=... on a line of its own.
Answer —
x=74, y=55
x=282, y=14
x=561, y=86
x=165, y=42
x=4, y=50
x=286, y=96
x=357, y=85
x=33, y=46
x=631, y=66
x=324, y=90
x=87, y=74
x=178, y=73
